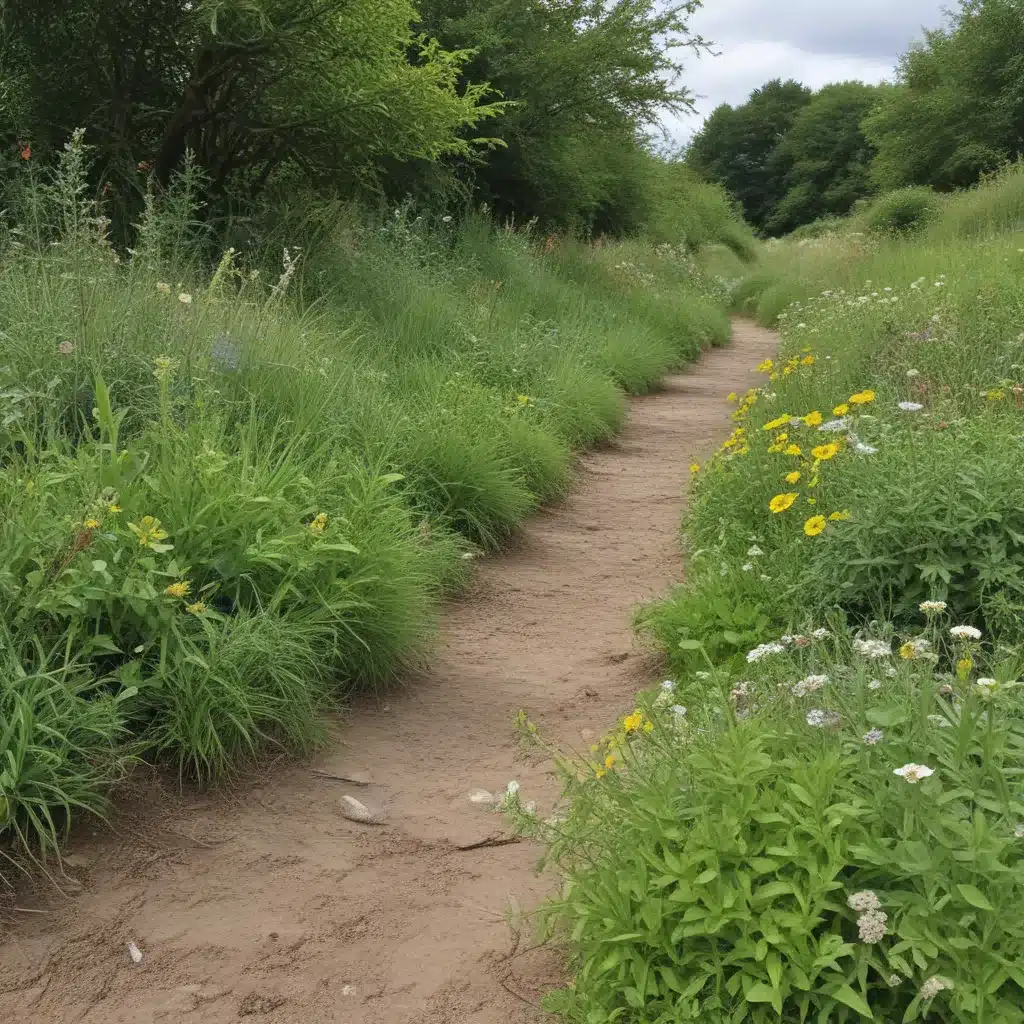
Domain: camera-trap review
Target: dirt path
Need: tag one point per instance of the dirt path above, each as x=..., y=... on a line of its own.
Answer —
x=273, y=905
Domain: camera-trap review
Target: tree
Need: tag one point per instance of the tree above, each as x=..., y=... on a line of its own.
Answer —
x=255, y=88
x=958, y=110
x=737, y=146
x=824, y=158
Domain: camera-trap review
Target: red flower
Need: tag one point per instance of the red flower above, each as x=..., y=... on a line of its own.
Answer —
x=26, y=152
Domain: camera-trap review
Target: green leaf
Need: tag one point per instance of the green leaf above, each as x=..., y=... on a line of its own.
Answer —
x=975, y=897
x=691, y=645
x=846, y=995
x=392, y=478
x=760, y=993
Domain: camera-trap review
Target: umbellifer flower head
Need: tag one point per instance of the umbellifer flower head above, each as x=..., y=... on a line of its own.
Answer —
x=965, y=633
x=864, y=901
x=872, y=648
x=873, y=736
x=871, y=926
x=933, y=607
x=933, y=986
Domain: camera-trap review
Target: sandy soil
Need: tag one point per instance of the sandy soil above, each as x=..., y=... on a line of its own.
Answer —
x=269, y=903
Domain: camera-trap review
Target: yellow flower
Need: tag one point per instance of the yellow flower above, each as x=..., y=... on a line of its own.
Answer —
x=600, y=773
x=794, y=477
x=179, y=589
x=824, y=452
x=633, y=721
x=963, y=668
x=995, y=395
x=779, y=421
x=648, y=727
x=808, y=360
x=787, y=370
x=149, y=532
x=812, y=501
x=908, y=652
x=319, y=523
x=694, y=468
x=841, y=409
x=814, y=526
x=609, y=762
x=862, y=397
x=114, y=509
x=838, y=517
x=732, y=397
x=813, y=419
x=782, y=501
x=765, y=366
x=524, y=400
x=92, y=524
x=793, y=449
x=196, y=609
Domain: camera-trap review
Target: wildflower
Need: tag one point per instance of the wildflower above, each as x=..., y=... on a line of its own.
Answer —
x=163, y=366
x=1019, y=831
x=747, y=567
x=862, y=397
x=668, y=686
x=839, y=517
x=512, y=789
x=819, y=719
x=815, y=525
x=793, y=449
x=963, y=668
x=794, y=477
x=319, y=523
x=872, y=648
x=179, y=589
x=871, y=926
x=150, y=533
x=873, y=736
x=834, y=426
x=864, y=449
x=754, y=551
x=913, y=773
x=26, y=152
x=841, y=409
x=965, y=633
x=911, y=406
x=813, y=419
x=781, y=502
x=988, y=687
x=824, y=452
x=633, y=722
x=864, y=901
x=678, y=711
x=808, y=361
x=765, y=366
x=198, y=608
x=694, y=468
x=163, y=288
x=113, y=509
x=523, y=401
x=779, y=421
x=875, y=684
x=895, y=979
x=609, y=762
x=91, y=524
x=933, y=986
x=764, y=650
x=995, y=395
x=913, y=373
x=65, y=348
x=811, y=684
x=732, y=397
x=932, y=607
x=184, y=298
x=913, y=649
x=821, y=633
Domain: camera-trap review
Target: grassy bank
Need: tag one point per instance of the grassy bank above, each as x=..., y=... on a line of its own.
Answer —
x=818, y=817
x=233, y=497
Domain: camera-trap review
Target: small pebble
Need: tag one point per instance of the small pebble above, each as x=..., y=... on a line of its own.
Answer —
x=135, y=953
x=481, y=796
x=357, y=811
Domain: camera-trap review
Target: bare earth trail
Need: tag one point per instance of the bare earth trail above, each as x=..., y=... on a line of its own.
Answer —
x=271, y=905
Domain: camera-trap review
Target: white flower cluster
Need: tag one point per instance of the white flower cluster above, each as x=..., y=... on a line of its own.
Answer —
x=764, y=651
x=913, y=773
x=933, y=986
x=819, y=719
x=808, y=685
x=872, y=648
x=965, y=633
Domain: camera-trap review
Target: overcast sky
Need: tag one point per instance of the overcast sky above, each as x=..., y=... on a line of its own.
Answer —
x=813, y=41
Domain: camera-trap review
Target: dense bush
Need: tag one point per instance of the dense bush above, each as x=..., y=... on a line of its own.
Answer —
x=902, y=212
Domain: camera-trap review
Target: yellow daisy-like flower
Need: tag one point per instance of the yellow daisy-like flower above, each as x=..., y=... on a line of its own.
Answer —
x=179, y=589
x=963, y=668
x=765, y=366
x=995, y=395
x=633, y=721
x=600, y=773
x=113, y=509
x=808, y=360
x=815, y=525
x=779, y=421
x=149, y=531
x=838, y=517
x=609, y=762
x=92, y=524
x=813, y=419
x=732, y=397
x=694, y=468
x=787, y=370
x=794, y=477
x=824, y=452
x=793, y=449
x=862, y=397
x=782, y=501
x=319, y=523
x=196, y=609
x=841, y=409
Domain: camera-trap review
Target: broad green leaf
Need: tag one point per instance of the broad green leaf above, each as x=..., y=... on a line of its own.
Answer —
x=975, y=897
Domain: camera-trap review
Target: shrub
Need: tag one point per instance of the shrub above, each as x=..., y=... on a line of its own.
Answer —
x=905, y=211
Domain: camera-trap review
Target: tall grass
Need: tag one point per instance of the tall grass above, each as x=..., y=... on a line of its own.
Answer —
x=233, y=495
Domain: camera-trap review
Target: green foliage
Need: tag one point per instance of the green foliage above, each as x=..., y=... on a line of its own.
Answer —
x=957, y=110
x=755, y=855
x=905, y=211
